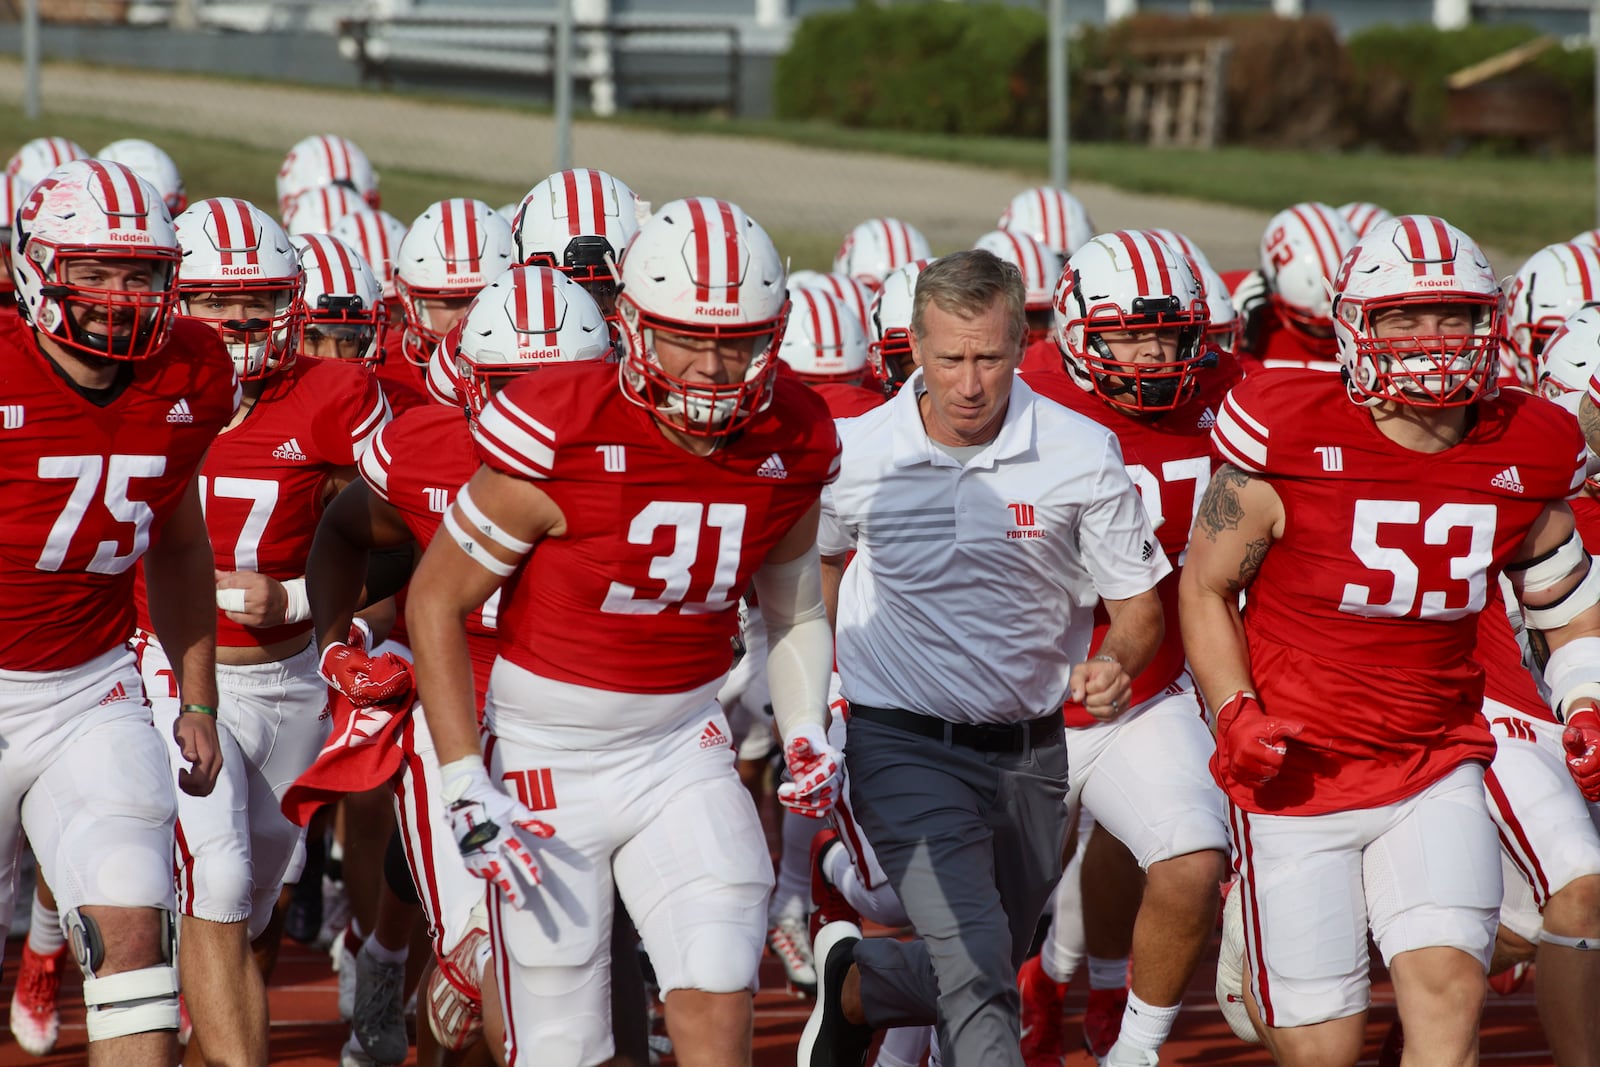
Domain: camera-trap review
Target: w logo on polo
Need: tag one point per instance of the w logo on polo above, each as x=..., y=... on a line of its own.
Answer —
x=536, y=789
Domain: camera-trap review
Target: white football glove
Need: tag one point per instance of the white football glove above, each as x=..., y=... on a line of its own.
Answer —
x=814, y=766
x=496, y=834
x=1251, y=295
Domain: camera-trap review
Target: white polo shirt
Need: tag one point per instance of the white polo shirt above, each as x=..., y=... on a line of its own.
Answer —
x=973, y=588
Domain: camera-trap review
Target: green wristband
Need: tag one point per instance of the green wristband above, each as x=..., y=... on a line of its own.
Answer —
x=197, y=709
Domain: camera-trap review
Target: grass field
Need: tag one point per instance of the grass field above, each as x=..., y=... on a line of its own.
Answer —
x=1518, y=204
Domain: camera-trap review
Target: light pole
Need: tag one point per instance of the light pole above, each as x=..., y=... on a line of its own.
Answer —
x=563, y=84
x=1056, y=37
x=30, y=59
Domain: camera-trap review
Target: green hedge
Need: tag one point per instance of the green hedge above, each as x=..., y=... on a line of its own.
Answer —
x=926, y=68
x=1409, y=65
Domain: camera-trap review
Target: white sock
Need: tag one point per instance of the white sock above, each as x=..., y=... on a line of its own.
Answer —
x=792, y=897
x=1108, y=974
x=1145, y=1026
x=383, y=954
x=1063, y=950
x=44, y=929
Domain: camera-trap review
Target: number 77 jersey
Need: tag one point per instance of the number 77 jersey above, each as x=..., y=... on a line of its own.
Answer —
x=640, y=594
x=1361, y=621
x=87, y=486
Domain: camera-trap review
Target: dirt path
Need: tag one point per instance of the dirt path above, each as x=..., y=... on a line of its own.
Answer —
x=787, y=187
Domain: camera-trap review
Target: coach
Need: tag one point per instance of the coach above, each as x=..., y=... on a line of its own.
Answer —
x=987, y=522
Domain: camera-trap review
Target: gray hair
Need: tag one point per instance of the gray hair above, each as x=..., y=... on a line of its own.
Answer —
x=968, y=283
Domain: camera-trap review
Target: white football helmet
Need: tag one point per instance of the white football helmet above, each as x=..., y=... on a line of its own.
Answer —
x=701, y=268
x=1300, y=253
x=527, y=318
x=856, y=295
x=1363, y=216
x=1556, y=281
x=232, y=246
x=1180, y=244
x=1572, y=355
x=1588, y=237
x=318, y=210
x=1040, y=267
x=878, y=246
x=453, y=249
x=1128, y=282
x=9, y=202
x=889, y=352
x=377, y=236
x=321, y=160
x=1416, y=260
x=342, y=298
x=823, y=342
x=153, y=165
x=1222, y=325
x=89, y=210
x=30, y=163
x=579, y=222
x=1051, y=215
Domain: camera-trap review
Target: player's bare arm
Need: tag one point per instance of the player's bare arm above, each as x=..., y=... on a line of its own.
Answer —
x=1104, y=684
x=356, y=522
x=1235, y=524
x=458, y=572
x=178, y=570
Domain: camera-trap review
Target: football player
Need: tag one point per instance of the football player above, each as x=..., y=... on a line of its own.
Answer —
x=1130, y=326
x=625, y=526
x=1283, y=307
x=292, y=444
x=878, y=246
x=889, y=353
x=1366, y=518
x=97, y=476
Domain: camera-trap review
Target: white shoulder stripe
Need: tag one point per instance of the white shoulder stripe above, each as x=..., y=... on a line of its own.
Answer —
x=1243, y=416
x=1239, y=447
x=374, y=467
x=536, y=465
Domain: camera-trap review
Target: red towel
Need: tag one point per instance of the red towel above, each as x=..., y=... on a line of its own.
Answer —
x=362, y=753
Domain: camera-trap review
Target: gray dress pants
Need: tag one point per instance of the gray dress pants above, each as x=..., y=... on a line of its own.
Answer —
x=971, y=841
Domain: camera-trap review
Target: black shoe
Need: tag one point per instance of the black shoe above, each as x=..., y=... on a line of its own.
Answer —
x=829, y=1039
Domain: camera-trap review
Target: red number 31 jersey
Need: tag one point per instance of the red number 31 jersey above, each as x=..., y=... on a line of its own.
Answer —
x=86, y=488
x=639, y=596
x=1361, y=621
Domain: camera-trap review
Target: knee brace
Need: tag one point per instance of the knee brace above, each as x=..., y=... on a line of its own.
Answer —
x=130, y=1002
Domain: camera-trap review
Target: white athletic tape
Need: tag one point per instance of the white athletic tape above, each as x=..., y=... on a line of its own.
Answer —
x=230, y=599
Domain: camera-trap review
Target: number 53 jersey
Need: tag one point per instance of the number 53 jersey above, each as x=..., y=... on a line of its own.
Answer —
x=87, y=487
x=1360, y=623
x=640, y=594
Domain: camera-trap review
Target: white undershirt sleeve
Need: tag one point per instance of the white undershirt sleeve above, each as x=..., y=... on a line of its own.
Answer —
x=799, y=641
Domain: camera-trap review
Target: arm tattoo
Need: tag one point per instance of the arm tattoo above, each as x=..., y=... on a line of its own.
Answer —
x=1589, y=420
x=1249, y=567
x=1220, y=508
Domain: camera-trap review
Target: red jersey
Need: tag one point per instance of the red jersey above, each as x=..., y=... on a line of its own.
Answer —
x=262, y=484
x=1277, y=346
x=1040, y=356
x=640, y=595
x=1170, y=460
x=1360, y=622
x=401, y=381
x=417, y=463
x=846, y=401
x=1586, y=513
x=86, y=486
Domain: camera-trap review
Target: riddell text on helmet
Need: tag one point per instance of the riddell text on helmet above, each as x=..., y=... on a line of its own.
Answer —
x=241, y=272
x=718, y=311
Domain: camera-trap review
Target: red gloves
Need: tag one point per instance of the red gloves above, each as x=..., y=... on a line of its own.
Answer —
x=363, y=679
x=814, y=766
x=1251, y=745
x=1582, y=742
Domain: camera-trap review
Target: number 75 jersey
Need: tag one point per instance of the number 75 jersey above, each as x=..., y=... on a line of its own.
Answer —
x=640, y=594
x=1361, y=621
x=86, y=487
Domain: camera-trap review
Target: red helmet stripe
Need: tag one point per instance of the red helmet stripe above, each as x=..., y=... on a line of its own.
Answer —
x=1585, y=280
x=547, y=287
x=1414, y=238
x=1324, y=254
x=702, y=250
x=1156, y=250
x=348, y=267
x=597, y=201
x=730, y=239
x=219, y=216
x=1447, y=259
x=813, y=301
x=569, y=185
x=1050, y=226
x=836, y=334
x=474, y=248
x=1140, y=276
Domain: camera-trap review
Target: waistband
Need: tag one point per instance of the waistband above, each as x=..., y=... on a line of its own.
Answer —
x=981, y=737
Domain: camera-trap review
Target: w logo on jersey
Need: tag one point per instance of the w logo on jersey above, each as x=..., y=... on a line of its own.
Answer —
x=720, y=257
x=536, y=788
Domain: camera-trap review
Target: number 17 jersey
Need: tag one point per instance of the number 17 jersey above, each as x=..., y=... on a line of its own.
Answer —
x=1361, y=622
x=640, y=594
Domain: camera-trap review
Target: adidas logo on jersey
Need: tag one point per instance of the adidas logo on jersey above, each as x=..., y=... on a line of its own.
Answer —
x=1207, y=420
x=180, y=412
x=772, y=467
x=290, y=450
x=1507, y=479
x=119, y=692
x=713, y=737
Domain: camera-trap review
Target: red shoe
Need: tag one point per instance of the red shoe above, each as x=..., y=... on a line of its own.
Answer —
x=1102, y=1020
x=1511, y=979
x=1394, y=1046
x=35, y=1022
x=1042, y=997
x=828, y=905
